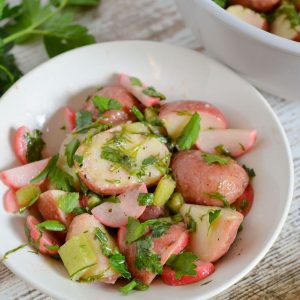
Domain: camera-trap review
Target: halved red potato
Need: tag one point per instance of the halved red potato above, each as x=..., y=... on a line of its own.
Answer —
x=42, y=241
x=116, y=214
x=212, y=240
x=70, y=119
x=257, y=5
x=197, y=180
x=176, y=115
x=137, y=91
x=113, y=116
x=20, y=176
x=103, y=176
x=10, y=201
x=172, y=242
x=88, y=224
x=203, y=270
x=236, y=141
x=48, y=206
x=152, y=212
x=244, y=203
x=249, y=16
x=20, y=144
x=282, y=26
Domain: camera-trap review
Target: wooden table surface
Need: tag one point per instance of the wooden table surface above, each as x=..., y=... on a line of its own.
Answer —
x=278, y=275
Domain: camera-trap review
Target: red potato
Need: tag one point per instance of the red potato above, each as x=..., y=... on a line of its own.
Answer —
x=203, y=270
x=116, y=214
x=10, y=202
x=152, y=212
x=249, y=16
x=176, y=115
x=41, y=240
x=236, y=141
x=211, y=240
x=20, y=176
x=257, y=5
x=70, y=119
x=282, y=26
x=48, y=206
x=173, y=242
x=137, y=91
x=114, y=116
x=244, y=203
x=196, y=179
x=20, y=144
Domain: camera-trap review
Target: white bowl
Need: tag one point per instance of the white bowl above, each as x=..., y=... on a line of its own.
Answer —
x=270, y=62
x=36, y=100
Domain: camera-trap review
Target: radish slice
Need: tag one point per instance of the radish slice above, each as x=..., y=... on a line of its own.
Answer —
x=20, y=176
x=116, y=214
x=41, y=240
x=137, y=91
x=236, y=141
x=10, y=202
x=20, y=144
x=70, y=119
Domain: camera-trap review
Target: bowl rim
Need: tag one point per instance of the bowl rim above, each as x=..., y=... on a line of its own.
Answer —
x=237, y=277
x=257, y=34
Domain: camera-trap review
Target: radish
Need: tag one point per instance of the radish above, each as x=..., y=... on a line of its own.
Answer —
x=70, y=119
x=257, y=5
x=236, y=141
x=20, y=176
x=244, y=203
x=176, y=115
x=43, y=241
x=116, y=214
x=203, y=270
x=10, y=202
x=138, y=90
x=20, y=144
x=249, y=16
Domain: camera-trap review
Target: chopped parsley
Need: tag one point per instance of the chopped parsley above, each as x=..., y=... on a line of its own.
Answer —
x=112, y=199
x=159, y=229
x=104, y=103
x=215, y=159
x=222, y=3
x=150, y=160
x=152, y=92
x=191, y=224
x=51, y=225
x=135, y=81
x=222, y=150
x=78, y=159
x=213, y=215
x=95, y=125
x=145, y=258
x=104, y=243
x=183, y=264
x=189, y=133
x=218, y=196
x=83, y=119
x=250, y=172
x=68, y=202
x=145, y=199
x=139, y=115
x=70, y=151
x=6, y=254
x=244, y=204
x=133, y=285
x=35, y=145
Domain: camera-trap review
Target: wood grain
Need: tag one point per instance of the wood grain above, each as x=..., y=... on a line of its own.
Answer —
x=278, y=274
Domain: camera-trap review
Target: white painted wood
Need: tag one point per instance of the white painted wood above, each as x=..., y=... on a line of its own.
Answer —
x=278, y=274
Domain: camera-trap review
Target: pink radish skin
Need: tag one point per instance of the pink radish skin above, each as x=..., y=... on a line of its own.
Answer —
x=20, y=176
x=40, y=239
x=70, y=119
x=137, y=91
x=152, y=212
x=257, y=5
x=116, y=214
x=236, y=141
x=10, y=202
x=173, y=242
x=20, y=144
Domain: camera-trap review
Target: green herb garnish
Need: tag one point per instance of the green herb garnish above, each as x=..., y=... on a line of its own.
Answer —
x=135, y=81
x=68, y=202
x=6, y=254
x=218, y=196
x=139, y=115
x=133, y=285
x=213, y=216
x=35, y=145
x=222, y=150
x=222, y=3
x=104, y=103
x=70, y=151
x=250, y=171
x=215, y=159
x=83, y=119
x=152, y=92
x=191, y=224
x=118, y=263
x=244, y=204
x=145, y=199
x=51, y=225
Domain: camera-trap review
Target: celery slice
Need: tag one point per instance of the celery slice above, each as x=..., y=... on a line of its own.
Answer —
x=164, y=190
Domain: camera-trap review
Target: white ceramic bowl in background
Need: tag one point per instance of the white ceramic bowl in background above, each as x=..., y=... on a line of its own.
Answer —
x=36, y=100
x=270, y=62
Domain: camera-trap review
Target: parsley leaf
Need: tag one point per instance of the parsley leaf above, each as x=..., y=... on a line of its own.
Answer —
x=152, y=92
x=135, y=230
x=189, y=133
x=250, y=172
x=137, y=113
x=44, y=173
x=70, y=151
x=146, y=259
x=244, y=204
x=218, y=196
x=6, y=254
x=35, y=145
x=68, y=202
x=213, y=215
x=222, y=150
x=183, y=264
x=104, y=103
x=135, y=81
x=77, y=2
x=145, y=199
x=191, y=223
x=118, y=263
x=150, y=160
x=222, y=3
x=51, y=225
x=133, y=285
x=215, y=159
x=83, y=119
x=159, y=229
x=103, y=239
